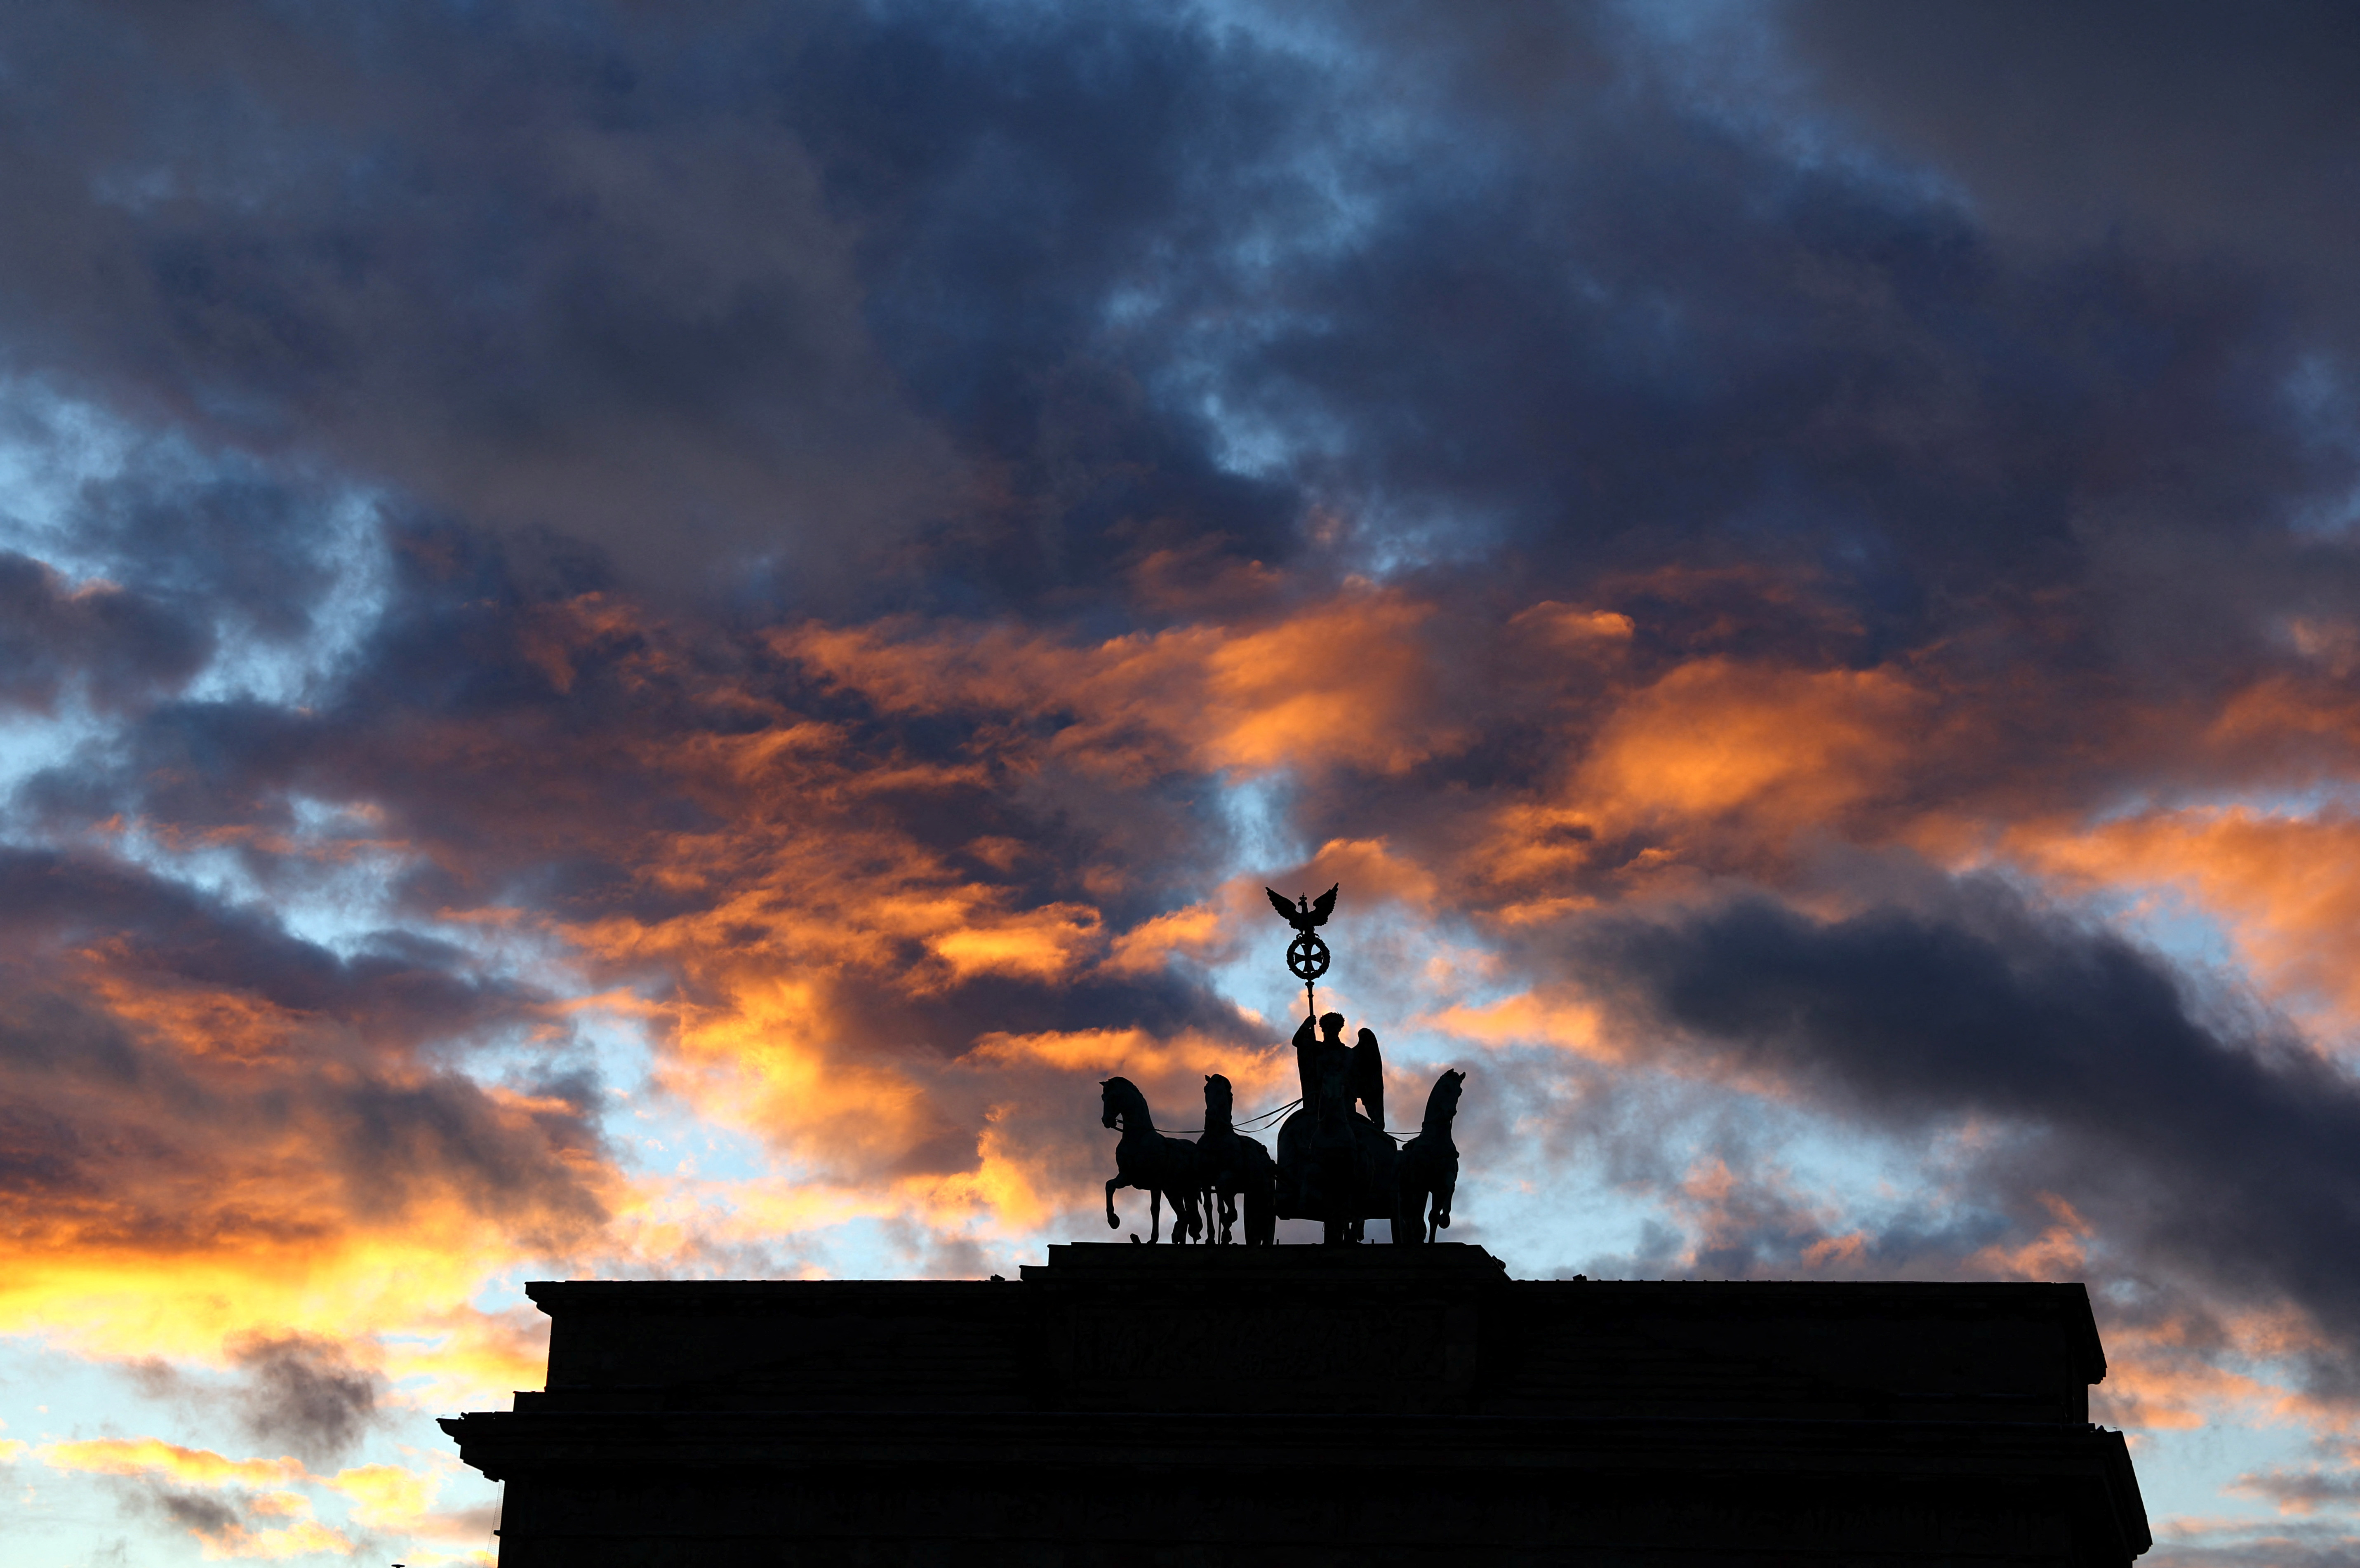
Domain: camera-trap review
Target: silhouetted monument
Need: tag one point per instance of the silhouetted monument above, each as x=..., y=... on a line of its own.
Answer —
x=1272, y=1407
x=1335, y=1163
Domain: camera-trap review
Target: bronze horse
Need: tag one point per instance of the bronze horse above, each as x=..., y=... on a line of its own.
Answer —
x=1428, y=1167
x=1163, y=1166
x=1234, y=1167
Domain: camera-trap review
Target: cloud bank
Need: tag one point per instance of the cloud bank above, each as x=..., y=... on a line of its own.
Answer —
x=643, y=641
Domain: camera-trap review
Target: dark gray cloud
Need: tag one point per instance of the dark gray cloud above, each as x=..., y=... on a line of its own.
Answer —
x=982, y=300
x=948, y=307
x=100, y=641
x=200, y=1511
x=2181, y=123
x=2302, y=1490
x=307, y=1393
x=560, y=275
x=2202, y=1133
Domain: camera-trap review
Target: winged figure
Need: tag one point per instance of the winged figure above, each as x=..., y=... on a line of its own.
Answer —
x=1300, y=918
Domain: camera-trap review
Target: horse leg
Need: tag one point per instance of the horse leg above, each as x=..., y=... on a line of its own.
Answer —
x=1154, y=1214
x=1112, y=1222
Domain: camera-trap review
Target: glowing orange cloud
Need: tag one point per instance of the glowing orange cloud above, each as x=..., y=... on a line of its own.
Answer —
x=1213, y=699
x=1534, y=1017
x=2059, y=1252
x=387, y=1497
x=194, y=1466
x=1782, y=748
x=1134, y=1052
x=2285, y=888
x=296, y=1539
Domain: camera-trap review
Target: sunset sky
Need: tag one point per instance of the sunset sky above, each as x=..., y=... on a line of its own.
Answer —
x=639, y=641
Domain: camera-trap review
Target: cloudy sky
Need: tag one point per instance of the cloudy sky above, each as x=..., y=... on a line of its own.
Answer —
x=639, y=640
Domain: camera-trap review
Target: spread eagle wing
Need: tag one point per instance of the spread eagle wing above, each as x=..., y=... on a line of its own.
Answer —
x=1286, y=911
x=1324, y=905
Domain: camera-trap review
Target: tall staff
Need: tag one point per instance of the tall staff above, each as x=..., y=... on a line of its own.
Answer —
x=1306, y=956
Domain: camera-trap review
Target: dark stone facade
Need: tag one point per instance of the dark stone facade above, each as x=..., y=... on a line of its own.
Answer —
x=1309, y=1405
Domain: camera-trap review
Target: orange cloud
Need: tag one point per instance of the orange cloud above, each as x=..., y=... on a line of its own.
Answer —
x=387, y=1497
x=297, y=1540
x=1215, y=699
x=2059, y=1252
x=764, y=1058
x=1534, y=1017
x=193, y=1467
x=1045, y=943
x=2287, y=718
x=1782, y=748
x=2285, y=888
x=1200, y=932
x=1135, y=1053
x=2157, y=1380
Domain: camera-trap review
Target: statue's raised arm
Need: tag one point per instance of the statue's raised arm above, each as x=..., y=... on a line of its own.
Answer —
x=1306, y=1060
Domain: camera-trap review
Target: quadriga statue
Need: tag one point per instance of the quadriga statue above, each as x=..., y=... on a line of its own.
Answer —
x=1336, y=1164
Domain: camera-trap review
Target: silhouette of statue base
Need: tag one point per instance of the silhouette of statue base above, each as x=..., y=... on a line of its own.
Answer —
x=1298, y=1405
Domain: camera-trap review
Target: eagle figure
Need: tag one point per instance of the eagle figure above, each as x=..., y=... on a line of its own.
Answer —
x=1304, y=919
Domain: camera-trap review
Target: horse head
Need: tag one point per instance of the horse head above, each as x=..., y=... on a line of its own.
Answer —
x=1218, y=1102
x=1443, y=1103
x=1119, y=1097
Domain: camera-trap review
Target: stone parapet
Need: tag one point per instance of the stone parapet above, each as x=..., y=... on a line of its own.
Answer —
x=1200, y=1406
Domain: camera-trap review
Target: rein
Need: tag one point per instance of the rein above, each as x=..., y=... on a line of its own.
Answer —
x=1252, y=1123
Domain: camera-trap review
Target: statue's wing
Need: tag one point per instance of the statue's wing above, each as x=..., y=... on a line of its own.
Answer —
x=1278, y=901
x=1324, y=905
